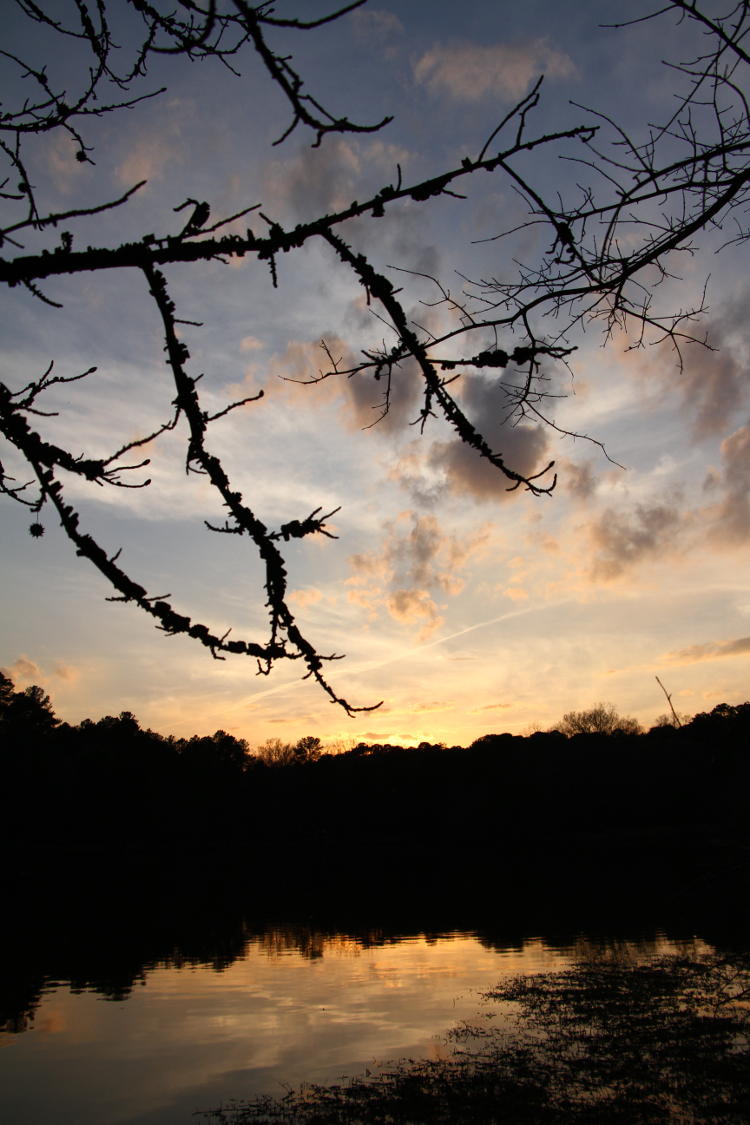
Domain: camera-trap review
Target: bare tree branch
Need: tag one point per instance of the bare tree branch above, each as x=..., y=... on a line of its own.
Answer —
x=612, y=244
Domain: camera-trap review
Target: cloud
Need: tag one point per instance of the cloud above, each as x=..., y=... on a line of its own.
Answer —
x=306, y=360
x=417, y=564
x=148, y=159
x=521, y=448
x=414, y=607
x=713, y=390
x=711, y=650
x=65, y=169
x=422, y=550
x=23, y=669
x=711, y=384
x=318, y=181
x=472, y=72
x=623, y=539
x=411, y=472
x=361, y=396
x=389, y=402
x=251, y=344
x=301, y=362
x=730, y=516
x=375, y=24
x=302, y=598
x=325, y=180
x=516, y=594
x=455, y=466
x=578, y=480
x=65, y=671
x=433, y=705
x=714, y=383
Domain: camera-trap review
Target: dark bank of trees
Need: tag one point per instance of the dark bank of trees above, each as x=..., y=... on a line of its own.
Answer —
x=111, y=785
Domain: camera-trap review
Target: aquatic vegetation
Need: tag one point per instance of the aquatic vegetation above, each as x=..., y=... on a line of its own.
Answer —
x=661, y=1041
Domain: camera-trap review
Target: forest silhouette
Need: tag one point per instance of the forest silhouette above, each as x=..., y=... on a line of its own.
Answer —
x=109, y=784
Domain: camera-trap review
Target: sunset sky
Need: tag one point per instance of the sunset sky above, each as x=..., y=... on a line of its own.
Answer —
x=466, y=608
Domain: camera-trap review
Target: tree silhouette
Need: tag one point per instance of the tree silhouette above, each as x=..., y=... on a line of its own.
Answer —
x=691, y=172
x=308, y=749
x=601, y=719
x=28, y=712
x=274, y=752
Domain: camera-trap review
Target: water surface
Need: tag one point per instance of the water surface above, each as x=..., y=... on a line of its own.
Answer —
x=288, y=1005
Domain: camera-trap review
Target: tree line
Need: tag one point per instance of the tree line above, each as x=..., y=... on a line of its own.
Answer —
x=111, y=784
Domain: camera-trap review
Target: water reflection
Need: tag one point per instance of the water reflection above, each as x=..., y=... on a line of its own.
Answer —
x=139, y=995
x=148, y=1040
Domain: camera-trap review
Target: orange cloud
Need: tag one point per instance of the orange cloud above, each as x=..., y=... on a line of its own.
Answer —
x=251, y=344
x=24, y=669
x=301, y=364
x=515, y=593
x=415, y=607
x=147, y=160
x=473, y=72
x=306, y=597
x=65, y=671
x=435, y=705
x=417, y=563
x=711, y=650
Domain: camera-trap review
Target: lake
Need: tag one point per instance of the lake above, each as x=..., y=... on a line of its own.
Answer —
x=118, y=1031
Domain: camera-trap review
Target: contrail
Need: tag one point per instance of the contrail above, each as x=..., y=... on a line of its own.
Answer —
x=403, y=654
